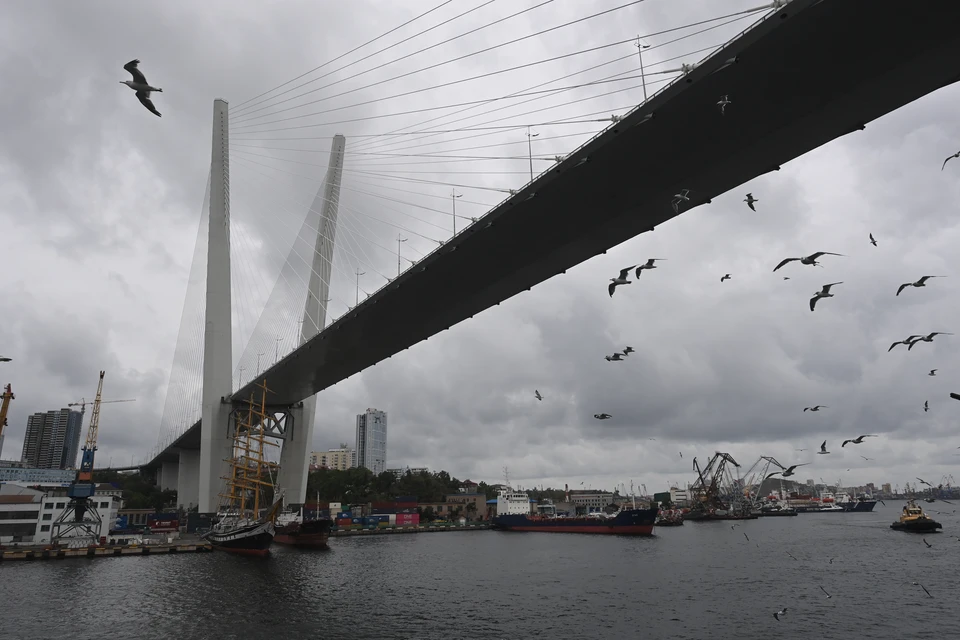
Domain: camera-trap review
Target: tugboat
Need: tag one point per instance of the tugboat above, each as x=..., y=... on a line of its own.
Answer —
x=772, y=509
x=914, y=520
x=240, y=528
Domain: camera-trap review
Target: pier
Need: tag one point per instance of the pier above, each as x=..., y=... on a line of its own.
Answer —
x=46, y=553
x=346, y=533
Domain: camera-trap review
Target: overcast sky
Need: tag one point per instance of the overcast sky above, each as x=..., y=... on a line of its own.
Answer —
x=100, y=204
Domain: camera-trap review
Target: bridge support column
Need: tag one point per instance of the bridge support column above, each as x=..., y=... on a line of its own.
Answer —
x=295, y=454
x=188, y=479
x=168, y=476
x=216, y=441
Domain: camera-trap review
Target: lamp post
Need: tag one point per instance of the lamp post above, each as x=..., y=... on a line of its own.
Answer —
x=359, y=273
x=530, y=137
x=640, y=47
x=453, y=198
x=276, y=350
x=258, y=362
x=240, y=377
x=402, y=239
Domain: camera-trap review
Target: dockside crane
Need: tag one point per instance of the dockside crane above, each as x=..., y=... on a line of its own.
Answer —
x=5, y=406
x=80, y=521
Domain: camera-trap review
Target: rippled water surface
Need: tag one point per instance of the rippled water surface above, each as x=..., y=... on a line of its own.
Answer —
x=701, y=580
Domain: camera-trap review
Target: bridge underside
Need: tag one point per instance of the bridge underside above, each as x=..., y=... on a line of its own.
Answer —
x=814, y=71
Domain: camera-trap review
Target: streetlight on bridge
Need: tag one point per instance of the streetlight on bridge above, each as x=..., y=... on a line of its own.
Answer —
x=640, y=47
x=530, y=137
x=402, y=239
x=359, y=273
x=453, y=198
x=258, y=362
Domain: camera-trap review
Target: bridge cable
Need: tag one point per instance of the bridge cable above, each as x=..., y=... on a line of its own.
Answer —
x=442, y=4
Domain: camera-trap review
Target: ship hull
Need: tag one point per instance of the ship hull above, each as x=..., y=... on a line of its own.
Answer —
x=630, y=522
x=925, y=526
x=247, y=540
x=863, y=506
x=312, y=533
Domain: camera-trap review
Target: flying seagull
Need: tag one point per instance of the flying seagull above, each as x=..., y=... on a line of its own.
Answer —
x=929, y=546
x=780, y=613
x=823, y=449
x=857, y=440
x=5, y=359
x=922, y=282
x=726, y=277
x=621, y=279
x=722, y=103
x=825, y=591
x=933, y=373
x=924, y=588
x=647, y=265
x=926, y=405
x=683, y=196
x=922, y=481
x=908, y=341
x=816, y=408
x=823, y=293
x=955, y=396
x=537, y=395
x=141, y=86
x=956, y=155
x=872, y=241
x=617, y=357
x=602, y=416
x=750, y=200
x=788, y=471
x=628, y=350
x=867, y=459
x=810, y=260
x=928, y=338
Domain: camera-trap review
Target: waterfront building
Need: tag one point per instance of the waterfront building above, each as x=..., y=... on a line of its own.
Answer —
x=52, y=439
x=372, y=440
x=27, y=515
x=341, y=459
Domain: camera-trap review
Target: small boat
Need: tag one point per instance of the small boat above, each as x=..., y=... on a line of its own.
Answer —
x=776, y=509
x=914, y=520
x=669, y=518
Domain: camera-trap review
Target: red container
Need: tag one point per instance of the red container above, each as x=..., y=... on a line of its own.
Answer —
x=405, y=505
x=344, y=522
x=407, y=519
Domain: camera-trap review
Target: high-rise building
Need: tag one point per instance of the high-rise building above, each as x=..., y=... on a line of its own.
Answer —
x=885, y=488
x=52, y=440
x=343, y=458
x=372, y=440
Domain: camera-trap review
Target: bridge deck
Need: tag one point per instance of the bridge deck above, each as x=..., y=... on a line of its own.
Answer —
x=812, y=72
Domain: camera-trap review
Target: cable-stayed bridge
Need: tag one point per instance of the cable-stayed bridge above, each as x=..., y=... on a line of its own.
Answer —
x=805, y=73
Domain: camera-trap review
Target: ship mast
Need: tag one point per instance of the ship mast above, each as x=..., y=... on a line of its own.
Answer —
x=250, y=472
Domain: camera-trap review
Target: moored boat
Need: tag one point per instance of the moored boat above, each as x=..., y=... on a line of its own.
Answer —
x=626, y=522
x=914, y=520
x=292, y=529
x=241, y=528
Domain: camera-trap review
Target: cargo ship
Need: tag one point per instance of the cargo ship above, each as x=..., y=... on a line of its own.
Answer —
x=513, y=514
x=863, y=504
x=240, y=526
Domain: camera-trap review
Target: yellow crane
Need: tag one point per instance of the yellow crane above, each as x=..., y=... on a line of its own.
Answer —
x=5, y=406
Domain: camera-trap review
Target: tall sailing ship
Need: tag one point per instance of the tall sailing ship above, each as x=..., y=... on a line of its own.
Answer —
x=241, y=528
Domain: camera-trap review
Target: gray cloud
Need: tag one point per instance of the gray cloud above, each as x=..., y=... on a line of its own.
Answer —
x=102, y=201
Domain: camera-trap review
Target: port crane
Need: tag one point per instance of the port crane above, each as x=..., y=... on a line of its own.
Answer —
x=80, y=521
x=5, y=406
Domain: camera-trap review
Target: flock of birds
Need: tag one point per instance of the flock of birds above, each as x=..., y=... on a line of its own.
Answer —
x=826, y=291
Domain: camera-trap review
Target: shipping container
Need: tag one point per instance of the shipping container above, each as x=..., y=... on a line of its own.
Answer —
x=335, y=506
x=344, y=522
x=405, y=505
x=406, y=499
x=379, y=517
x=390, y=509
x=357, y=520
x=393, y=518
